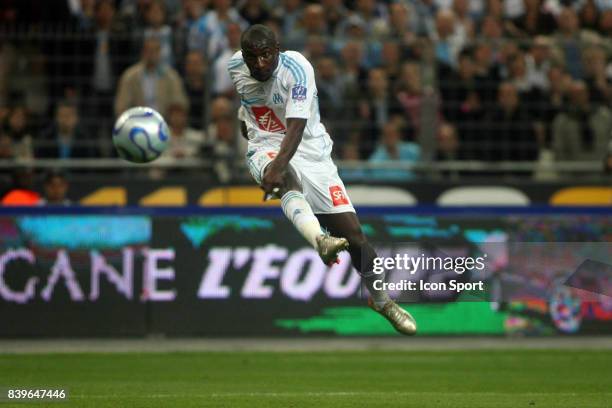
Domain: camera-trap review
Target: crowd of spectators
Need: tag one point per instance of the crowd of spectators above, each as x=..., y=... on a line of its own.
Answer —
x=412, y=80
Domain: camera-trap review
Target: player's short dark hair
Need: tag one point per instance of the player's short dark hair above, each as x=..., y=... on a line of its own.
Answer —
x=258, y=35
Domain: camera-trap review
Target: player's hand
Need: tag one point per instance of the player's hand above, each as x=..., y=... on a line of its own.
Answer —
x=273, y=179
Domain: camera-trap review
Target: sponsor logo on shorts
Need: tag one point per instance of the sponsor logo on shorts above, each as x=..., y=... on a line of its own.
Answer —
x=267, y=119
x=298, y=93
x=337, y=195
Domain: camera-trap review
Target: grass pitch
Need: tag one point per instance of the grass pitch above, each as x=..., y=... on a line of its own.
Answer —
x=509, y=378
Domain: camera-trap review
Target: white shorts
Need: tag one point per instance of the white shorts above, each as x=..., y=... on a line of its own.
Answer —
x=322, y=187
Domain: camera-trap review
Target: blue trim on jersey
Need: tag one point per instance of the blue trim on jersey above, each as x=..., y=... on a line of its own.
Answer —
x=296, y=70
x=291, y=69
x=235, y=63
x=300, y=70
x=251, y=101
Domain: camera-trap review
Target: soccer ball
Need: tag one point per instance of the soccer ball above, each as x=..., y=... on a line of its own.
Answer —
x=140, y=135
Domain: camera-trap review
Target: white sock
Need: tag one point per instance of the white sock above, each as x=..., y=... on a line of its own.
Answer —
x=297, y=209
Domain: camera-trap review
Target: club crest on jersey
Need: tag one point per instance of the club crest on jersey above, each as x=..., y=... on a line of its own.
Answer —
x=337, y=195
x=267, y=119
x=277, y=99
x=298, y=93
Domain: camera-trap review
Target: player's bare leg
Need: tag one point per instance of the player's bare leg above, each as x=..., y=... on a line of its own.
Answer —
x=299, y=212
x=362, y=256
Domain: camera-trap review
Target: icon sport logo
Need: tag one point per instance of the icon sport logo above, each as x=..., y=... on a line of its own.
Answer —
x=298, y=93
x=337, y=195
x=267, y=119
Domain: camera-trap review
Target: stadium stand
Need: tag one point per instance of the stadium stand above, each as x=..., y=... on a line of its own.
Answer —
x=477, y=88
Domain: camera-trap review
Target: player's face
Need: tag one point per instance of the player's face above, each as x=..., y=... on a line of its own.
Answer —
x=262, y=61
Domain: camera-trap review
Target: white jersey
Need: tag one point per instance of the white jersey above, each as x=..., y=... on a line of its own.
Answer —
x=291, y=92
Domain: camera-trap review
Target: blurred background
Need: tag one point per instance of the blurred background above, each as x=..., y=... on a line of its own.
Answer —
x=442, y=89
x=431, y=104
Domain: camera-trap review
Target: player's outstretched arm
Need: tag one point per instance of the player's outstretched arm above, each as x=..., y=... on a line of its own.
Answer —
x=275, y=173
